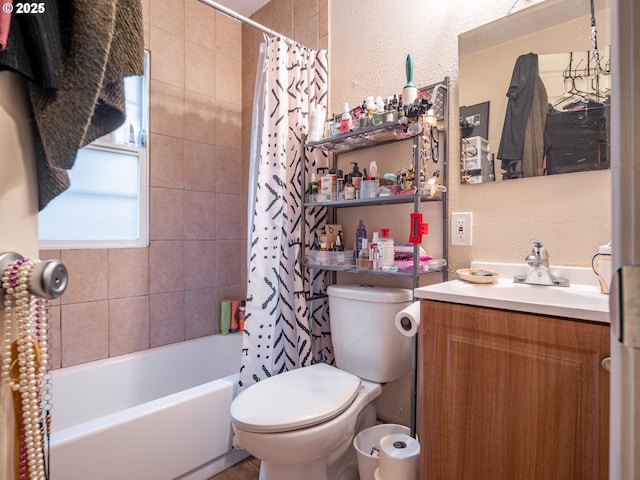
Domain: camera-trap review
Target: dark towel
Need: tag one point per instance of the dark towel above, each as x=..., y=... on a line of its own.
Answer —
x=100, y=42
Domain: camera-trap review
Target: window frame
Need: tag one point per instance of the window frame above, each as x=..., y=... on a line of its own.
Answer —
x=142, y=153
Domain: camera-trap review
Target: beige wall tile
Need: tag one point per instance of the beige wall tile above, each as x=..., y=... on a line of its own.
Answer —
x=199, y=215
x=128, y=272
x=229, y=209
x=167, y=165
x=228, y=79
x=200, y=114
x=167, y=57
x=323, y=19
x=55, y=348
x=166, y=323
x=248, y=49
x=228, y=36
x=167, y=213
x=199, y=264
x=264, y=16
x=306, y=32
x=228, y=258
x=200, y=24
x=200, y=313
x=282, y=16
x=167, y=109
x=228, y=124
x=128, y=325
x=166, y=267
x=303, y=10
x=84, y=332
x=168, y=15
x=228, y=170
x=199, y=166
x=88, y=272
x=200, y=69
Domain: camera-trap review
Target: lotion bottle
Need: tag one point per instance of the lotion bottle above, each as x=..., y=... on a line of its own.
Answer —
x=386, y=247
x=361, y=237
x=345, y=121
x=363, y=256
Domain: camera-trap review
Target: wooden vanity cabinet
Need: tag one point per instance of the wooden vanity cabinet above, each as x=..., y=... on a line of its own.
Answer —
x=506, y=395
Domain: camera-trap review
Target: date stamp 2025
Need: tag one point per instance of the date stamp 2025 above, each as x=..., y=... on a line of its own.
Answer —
x=23, y=7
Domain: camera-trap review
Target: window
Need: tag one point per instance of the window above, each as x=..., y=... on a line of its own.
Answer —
x=106, y=205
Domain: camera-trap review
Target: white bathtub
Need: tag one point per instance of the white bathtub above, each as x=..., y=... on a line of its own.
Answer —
x=160, y=414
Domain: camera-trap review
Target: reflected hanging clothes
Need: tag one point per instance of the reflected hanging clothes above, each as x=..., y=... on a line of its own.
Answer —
x=523, y=130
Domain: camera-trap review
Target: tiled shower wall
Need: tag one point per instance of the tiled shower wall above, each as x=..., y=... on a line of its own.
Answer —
x=202, y=79
x=126, y=300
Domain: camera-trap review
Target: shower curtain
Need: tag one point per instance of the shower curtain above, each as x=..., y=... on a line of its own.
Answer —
x=283, y=330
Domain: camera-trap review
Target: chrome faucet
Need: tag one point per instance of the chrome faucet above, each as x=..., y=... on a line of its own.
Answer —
x=539, y=272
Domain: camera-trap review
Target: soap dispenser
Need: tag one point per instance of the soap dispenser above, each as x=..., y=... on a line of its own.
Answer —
x=356, y=176
x=601, y=264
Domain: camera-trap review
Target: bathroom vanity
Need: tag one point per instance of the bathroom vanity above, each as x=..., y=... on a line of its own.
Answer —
x=508, y=389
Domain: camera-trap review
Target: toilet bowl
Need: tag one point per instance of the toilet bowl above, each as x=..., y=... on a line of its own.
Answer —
x=301, y=423
x=307, y=434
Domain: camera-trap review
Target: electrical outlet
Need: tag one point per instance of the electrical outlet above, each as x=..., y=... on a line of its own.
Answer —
x=461, y=228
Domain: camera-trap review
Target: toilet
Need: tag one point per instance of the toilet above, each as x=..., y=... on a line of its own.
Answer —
x=301, y=423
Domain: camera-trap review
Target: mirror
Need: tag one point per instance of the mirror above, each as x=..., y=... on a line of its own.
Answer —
x=565, y=129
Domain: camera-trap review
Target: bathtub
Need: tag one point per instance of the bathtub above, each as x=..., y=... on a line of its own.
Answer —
x=160, y=414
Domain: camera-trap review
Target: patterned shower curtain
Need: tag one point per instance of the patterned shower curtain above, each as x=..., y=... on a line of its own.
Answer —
x=283, y=330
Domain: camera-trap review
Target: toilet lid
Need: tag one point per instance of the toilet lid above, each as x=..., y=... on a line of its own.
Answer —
x=295, y=399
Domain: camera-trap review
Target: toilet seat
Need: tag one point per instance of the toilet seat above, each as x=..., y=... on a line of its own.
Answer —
x=295, y=399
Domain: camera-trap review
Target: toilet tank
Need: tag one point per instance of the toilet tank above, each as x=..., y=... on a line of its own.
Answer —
x=365, y=339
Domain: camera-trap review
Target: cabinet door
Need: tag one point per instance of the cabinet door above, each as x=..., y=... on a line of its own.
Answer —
x=513, y=396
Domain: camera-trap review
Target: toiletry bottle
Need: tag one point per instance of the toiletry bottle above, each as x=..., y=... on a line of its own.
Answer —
x=326, y=185
x=349, y=190
x=386, y=247
x=373, y=252
x=312, y=188
x=339, y=242
x=345, y=121
x=373, y=170
x=361, y=234
x=225, y=316
x=356, y=176
x=323, y=254
x=234, y=326
x=316, y=124
x=363, y=256
x=363, y=118
x=241, y=313
x=339, y=185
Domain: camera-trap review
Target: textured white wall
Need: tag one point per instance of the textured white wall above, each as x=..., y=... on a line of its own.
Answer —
x=570, y=214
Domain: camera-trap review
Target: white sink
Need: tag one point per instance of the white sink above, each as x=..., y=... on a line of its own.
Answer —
x=584, y=302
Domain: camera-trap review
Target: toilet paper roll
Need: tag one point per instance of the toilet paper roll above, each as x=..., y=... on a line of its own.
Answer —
x=399, y=457
x=408, y=319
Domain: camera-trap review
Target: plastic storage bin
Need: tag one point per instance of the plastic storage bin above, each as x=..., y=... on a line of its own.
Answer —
x=344, y=258
x=367, y=445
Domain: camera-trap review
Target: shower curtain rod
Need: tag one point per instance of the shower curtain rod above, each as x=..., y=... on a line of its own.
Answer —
x=243, y=19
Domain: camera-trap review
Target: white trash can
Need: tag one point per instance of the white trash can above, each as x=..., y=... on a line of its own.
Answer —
x=367, y=445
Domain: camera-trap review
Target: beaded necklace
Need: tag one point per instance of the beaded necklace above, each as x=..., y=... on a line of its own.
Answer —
x=24, y=368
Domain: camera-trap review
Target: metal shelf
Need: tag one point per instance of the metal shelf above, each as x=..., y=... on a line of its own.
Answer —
x=363, y=202
x=367, y=137
x=338, y=268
